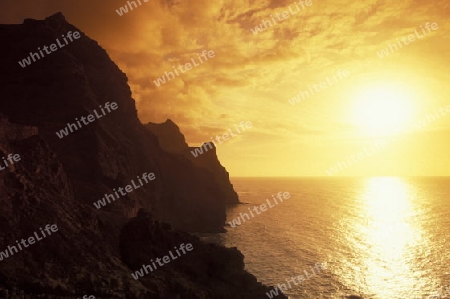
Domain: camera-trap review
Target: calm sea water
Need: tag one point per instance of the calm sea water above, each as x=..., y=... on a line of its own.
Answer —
x=382, y=237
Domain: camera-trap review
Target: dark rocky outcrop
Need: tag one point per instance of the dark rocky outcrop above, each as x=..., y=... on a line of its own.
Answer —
x=95, y=252
x=172, y=140
x=169, y=136
x=109, y=152
x=208, y=271
x=81, y=255
x=57, y=181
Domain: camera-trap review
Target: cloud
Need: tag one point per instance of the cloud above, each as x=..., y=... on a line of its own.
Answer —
x=251, y=76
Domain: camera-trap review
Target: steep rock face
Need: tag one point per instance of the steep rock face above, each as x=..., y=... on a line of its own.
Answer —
x=109, y=152
x=172, y=140
x=56, y=181
x=169, y=135
x=207, y=271
x=95, y=252
x=210, y=161
x=35, y=192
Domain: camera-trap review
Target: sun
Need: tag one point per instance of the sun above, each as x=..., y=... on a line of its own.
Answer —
x=383, y=109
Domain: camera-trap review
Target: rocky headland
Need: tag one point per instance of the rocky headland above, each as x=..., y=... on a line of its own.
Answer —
x=57, y=180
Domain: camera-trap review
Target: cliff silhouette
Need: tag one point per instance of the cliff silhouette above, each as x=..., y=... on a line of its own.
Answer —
x=58, y=179
x=172, y=140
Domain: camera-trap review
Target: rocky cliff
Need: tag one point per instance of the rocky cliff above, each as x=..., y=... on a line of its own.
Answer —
x=59, y=178
x=74, y=82
x=172, y=140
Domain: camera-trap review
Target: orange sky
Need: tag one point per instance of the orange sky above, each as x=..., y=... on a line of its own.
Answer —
x=253, y=76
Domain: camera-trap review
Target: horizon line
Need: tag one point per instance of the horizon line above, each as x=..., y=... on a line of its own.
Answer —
x=344, y=176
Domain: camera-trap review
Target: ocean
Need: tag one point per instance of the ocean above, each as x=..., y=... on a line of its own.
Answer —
x=380, y=237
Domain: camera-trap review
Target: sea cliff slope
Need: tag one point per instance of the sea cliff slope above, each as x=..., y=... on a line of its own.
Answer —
x=57, y=180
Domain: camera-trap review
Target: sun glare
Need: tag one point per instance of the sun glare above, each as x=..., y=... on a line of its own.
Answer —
x=383, y=109
x=393, y=237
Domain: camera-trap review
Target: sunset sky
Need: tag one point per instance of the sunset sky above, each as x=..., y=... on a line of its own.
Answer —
x=253, y=76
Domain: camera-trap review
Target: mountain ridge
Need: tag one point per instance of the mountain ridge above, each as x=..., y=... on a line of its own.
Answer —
x=58, y=180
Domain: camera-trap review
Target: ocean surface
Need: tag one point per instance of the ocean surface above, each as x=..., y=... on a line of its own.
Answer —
x=381, y=237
